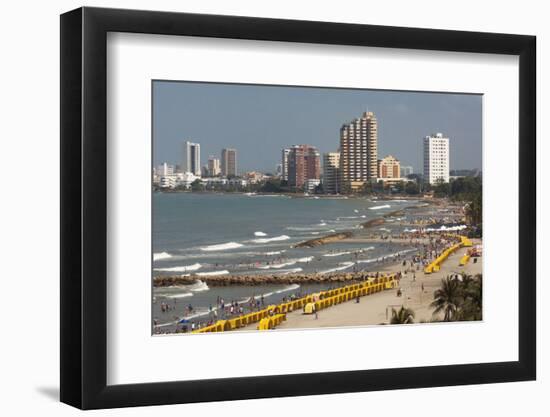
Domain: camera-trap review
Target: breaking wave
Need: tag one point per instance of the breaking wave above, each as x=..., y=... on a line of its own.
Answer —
x=212, y=273
x=222, y=246
x=344, y=266
x=160, y=256
x=182, y=295
x=185, y=268
x=380, y=207
x=271, y=239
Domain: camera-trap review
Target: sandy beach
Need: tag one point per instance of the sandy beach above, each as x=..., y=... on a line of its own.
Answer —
x=376, y=309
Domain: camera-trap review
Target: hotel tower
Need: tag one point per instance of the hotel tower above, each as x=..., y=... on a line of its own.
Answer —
x=436, y=159
x=229, y=162
x=359, y=152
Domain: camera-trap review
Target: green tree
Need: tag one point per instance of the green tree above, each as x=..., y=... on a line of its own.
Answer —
x=271, y=187
x=471, y=308
x=196, y=185
x=412, y=188
x=402, y=316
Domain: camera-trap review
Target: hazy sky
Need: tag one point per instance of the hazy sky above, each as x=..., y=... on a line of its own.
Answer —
x=260, y=120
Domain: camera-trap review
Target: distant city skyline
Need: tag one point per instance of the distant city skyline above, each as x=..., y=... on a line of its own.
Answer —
x=259, y=121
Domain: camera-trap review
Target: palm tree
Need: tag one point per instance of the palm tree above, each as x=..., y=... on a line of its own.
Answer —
x=448, y=299
x=403, y=316
x=473, y=299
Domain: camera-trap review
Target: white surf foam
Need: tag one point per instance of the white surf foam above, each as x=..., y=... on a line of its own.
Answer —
x=390, y=255
x=278, y=266
x=185, y=268
x=271, y=239
x=183, y=295
x=260, y=234
x=344, y=266
x=199, y=286
x=380, y=207
x=222, y=246
x=160, y=256
x=212, y=273
x=277, y=252
x=337, y=254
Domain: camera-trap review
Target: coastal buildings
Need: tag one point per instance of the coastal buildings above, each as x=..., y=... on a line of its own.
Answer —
x=406, y=170
x=389, y=168
x=192, y=158
x=254, y=177
x=284, y=164
x=165, y=169
x=436, y=159
x=214, y=168
x=359, y=152
x=229, y=162
x=304, y=163
x=331, y=167
x=279, y=170
x=311, y=184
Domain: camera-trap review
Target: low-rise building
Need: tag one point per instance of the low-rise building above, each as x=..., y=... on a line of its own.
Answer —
x=311, y=184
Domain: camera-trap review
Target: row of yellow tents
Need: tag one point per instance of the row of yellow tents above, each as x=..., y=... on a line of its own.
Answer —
x=319, y=300
x=350, y=292
x=435, y=265
x=270, y=322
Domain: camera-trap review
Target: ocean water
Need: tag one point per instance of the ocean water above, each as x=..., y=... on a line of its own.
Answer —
x=214, y=234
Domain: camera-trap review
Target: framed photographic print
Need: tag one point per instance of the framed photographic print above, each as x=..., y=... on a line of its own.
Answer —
x=258, y=208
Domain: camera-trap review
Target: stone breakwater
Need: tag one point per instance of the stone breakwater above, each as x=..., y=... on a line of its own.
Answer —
x=373, y=223
x=226, y=280
x=334, y=237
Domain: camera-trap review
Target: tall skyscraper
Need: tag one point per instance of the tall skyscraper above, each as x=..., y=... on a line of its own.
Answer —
x=436, y=159
x=304, y=163
x=284, y=164
x=359, y=151
x=331, y=168
x=229, y=162
x=192, y=158
x=389, y=168
x=213, y=166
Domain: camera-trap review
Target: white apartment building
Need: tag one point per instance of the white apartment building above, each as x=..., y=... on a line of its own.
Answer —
x=168, y=181
x=310, y=184
x=284, y=164
x=436, y=159
x=214, y=167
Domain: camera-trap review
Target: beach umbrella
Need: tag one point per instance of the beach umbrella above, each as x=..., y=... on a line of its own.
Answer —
x=184, y=321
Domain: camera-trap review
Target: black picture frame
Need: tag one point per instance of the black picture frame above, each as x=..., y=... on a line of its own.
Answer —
x=84, y=207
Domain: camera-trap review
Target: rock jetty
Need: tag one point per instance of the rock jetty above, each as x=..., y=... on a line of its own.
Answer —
x=373, y=223
x=226, y=280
